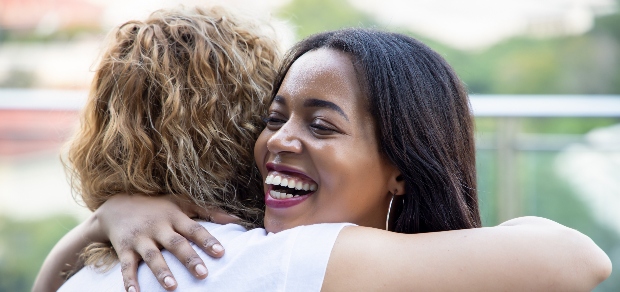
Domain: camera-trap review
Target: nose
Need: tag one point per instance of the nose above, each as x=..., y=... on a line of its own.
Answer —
x=285, y=140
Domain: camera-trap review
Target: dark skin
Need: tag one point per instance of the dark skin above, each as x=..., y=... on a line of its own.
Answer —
x=318, y=127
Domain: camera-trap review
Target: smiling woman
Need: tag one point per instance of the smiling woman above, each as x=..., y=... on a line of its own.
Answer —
x=380, y=122
x=320, y=131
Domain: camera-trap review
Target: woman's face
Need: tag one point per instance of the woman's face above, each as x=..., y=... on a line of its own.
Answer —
x=319, y=154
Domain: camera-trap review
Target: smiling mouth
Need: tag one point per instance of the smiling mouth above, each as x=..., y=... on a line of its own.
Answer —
x=286, y=187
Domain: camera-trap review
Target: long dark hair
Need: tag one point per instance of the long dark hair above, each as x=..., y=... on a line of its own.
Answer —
x=424, y=122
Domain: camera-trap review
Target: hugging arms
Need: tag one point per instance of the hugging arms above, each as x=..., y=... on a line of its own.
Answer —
x=362, y=126
x=528, y=253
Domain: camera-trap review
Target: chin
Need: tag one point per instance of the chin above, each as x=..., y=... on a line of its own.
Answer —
x=274, y=225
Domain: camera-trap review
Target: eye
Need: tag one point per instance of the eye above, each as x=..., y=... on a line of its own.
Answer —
x=322, y=128
x=274, y=121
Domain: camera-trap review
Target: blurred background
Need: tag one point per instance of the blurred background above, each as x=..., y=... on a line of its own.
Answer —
x=544, y=76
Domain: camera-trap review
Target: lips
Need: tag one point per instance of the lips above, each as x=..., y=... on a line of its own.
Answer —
x=287, y=187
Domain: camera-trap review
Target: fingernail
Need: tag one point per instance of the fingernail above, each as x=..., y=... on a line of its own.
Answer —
x=131, y=289
x=217, y=248
x=169, y=282
x=201, y=270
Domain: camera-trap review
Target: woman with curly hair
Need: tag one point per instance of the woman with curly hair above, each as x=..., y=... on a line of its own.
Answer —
x=175, y=107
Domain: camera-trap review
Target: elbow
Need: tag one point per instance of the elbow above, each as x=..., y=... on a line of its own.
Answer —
x=573, y=260
x=601, y=265
x=591, y=265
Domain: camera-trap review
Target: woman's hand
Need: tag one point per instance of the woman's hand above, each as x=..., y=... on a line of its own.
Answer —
x=138, y=226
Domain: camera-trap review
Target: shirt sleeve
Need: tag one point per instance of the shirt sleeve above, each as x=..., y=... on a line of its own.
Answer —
x=310, y=255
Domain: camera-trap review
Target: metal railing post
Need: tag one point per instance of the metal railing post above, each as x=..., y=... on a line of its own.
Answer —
x=509, y=200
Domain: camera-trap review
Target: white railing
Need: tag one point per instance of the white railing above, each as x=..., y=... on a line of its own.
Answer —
x=484, y=105
x=507, y=142
x=41, y=99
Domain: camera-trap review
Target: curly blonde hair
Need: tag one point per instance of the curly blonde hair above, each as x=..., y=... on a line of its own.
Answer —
x=175, y=108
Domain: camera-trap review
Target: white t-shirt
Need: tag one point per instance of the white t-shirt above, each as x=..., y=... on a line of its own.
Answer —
x=291, y=260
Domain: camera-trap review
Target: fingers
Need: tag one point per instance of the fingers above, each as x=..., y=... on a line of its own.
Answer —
x=182, y=250
x=195, y=232
x=129, y=269
x=155, y=261
x=221, y=217
x=214, y=214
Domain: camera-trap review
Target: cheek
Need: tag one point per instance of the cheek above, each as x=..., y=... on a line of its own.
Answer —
x=351, y=170
x=260, y=149
x=354, y=186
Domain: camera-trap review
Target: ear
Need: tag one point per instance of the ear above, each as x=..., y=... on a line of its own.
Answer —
x=396, y=183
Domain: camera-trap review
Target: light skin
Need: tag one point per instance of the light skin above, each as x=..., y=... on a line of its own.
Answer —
x=355, y=184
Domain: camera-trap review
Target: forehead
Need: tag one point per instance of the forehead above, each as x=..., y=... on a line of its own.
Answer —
x=322, y=73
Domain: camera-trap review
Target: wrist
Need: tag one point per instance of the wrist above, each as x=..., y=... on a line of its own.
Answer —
x=92, y=231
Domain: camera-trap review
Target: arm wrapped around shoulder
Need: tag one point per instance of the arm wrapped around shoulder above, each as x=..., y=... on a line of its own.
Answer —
x=523, y=254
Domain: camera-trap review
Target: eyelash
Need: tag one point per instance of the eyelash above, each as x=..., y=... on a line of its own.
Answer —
x=272, y=121
x=268, y=120
x=320, y=127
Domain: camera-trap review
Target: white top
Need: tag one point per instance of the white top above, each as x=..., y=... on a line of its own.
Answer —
x=291, y=260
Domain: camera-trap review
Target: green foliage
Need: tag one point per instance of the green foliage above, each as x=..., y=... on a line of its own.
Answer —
x=313, y=16
x=608, y=24
x=23, y=247
x=570, y=65
x=67, y=34
x=585, y=64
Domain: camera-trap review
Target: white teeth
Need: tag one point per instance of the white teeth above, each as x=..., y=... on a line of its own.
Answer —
x=274, y=194
x=280, y=196
x=277, y=180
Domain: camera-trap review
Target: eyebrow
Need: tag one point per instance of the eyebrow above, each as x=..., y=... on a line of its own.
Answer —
x=313, y=102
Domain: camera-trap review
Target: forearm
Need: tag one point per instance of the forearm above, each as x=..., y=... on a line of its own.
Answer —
x=65, y=252
x=522, y=254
